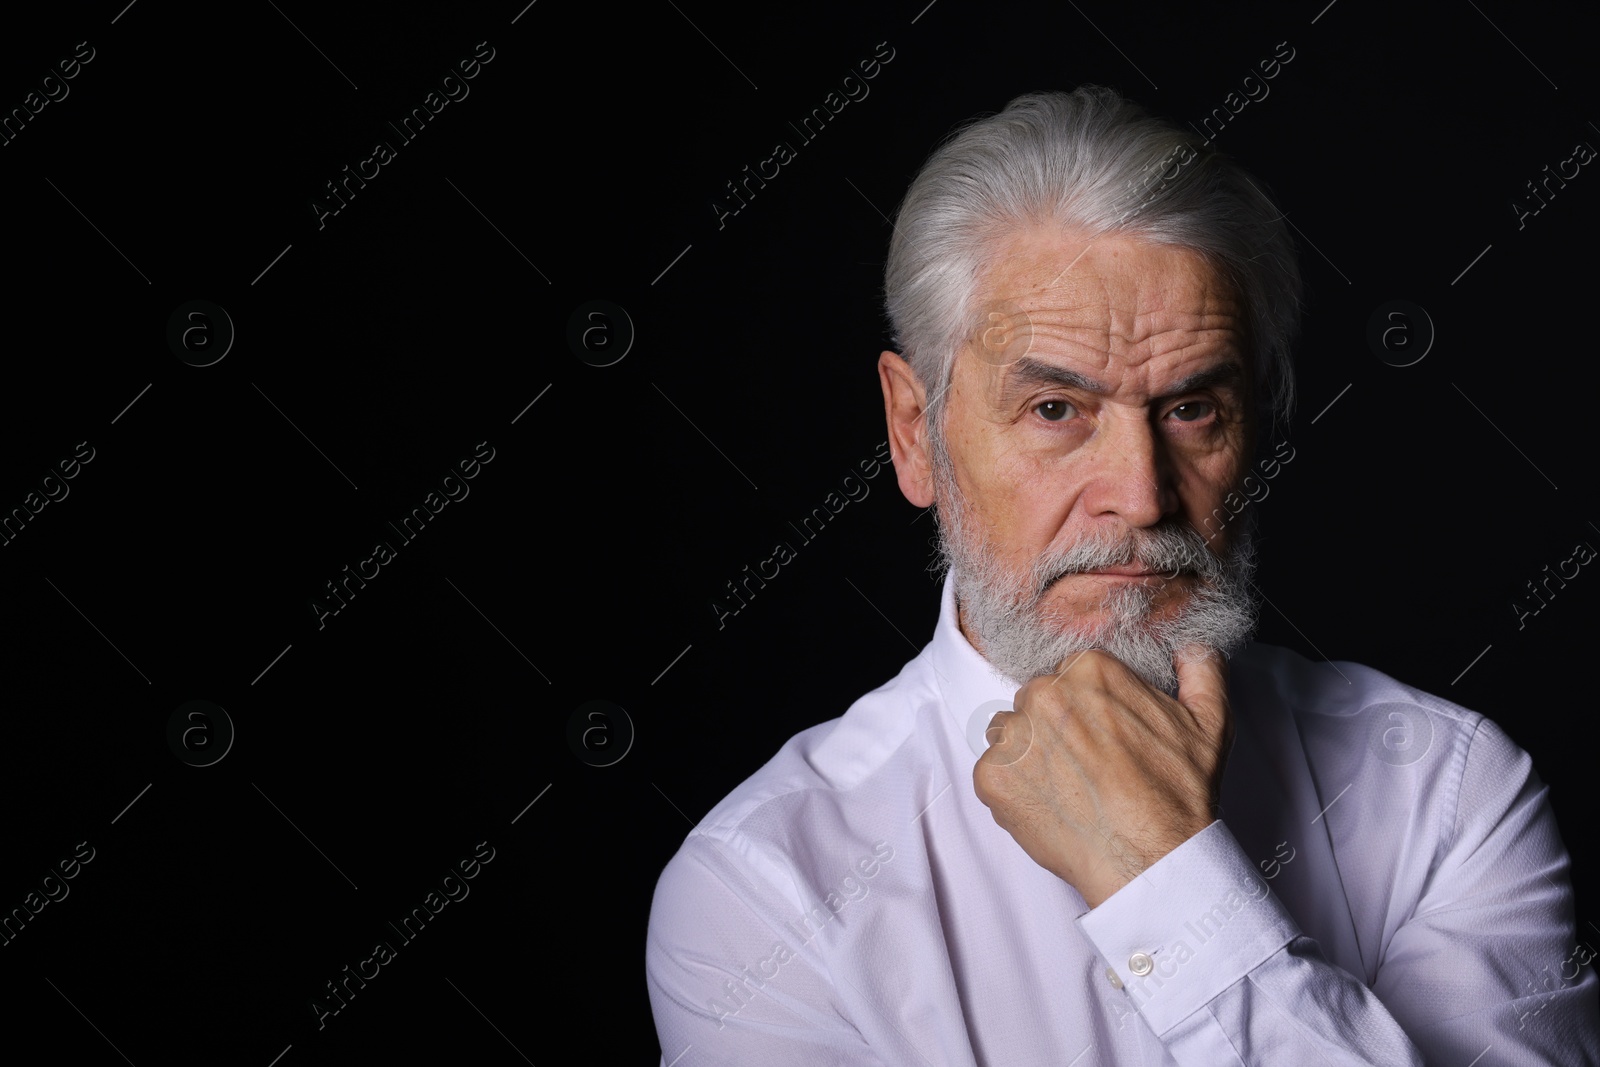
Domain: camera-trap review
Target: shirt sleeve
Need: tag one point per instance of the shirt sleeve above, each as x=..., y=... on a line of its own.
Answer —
x=1489, y=962
x=1484, y=969
x=732, y=984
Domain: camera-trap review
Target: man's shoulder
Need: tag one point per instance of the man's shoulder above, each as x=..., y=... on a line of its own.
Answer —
x=862, y=761
x=1352, y=722
x=1281, y=678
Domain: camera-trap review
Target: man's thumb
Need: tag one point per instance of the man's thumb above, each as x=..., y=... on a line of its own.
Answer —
x=1203, y=684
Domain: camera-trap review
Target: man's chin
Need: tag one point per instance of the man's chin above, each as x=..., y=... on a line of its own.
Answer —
x=1144, y=640
x=1156, y=669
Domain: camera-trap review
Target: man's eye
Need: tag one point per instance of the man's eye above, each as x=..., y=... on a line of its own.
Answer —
x=1055, y=410
x=1192, y=411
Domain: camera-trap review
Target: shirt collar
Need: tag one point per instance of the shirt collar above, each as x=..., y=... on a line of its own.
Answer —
x=971, y=688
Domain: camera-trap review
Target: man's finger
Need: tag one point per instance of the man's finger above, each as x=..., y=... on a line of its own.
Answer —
x=1010, y=735
x=996, y=733
x=1070, y=661
x=1203, y=685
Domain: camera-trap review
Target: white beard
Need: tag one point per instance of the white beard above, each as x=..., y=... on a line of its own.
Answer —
x=1023, y=639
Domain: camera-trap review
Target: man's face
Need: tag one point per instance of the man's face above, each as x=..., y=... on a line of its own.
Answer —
x=1094, y=424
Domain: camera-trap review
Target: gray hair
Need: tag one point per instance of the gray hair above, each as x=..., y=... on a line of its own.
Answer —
x=1092, y=161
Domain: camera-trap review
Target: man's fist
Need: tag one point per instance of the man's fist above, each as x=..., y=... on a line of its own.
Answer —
x=1097, y=775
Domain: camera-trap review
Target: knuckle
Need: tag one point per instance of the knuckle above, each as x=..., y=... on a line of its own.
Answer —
x=1098, y=662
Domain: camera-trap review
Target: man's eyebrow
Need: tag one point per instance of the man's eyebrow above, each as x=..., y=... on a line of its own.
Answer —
x=1027, y=373
x=1229, y=375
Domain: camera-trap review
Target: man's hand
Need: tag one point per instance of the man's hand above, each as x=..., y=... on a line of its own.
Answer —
x=1097, y=775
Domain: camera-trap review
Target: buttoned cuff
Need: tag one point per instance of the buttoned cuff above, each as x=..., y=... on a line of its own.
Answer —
x=1194, y=923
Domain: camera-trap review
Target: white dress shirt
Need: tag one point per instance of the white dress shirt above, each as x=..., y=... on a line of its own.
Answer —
x=1386, y=885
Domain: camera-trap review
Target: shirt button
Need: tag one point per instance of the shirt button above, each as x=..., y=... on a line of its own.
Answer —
x=1140, y=964
x=1111, y=976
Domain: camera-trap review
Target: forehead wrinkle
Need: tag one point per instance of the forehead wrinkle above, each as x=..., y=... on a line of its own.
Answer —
x=1156, y=334
x=1096, y=319
x=1116, y=312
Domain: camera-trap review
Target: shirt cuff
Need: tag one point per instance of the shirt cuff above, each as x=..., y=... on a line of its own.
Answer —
x=1194, y=923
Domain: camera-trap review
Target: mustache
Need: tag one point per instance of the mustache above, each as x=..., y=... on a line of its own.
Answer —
x=1169, y=551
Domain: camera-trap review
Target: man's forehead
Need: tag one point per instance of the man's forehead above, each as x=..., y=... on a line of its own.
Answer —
x=1104, y=304
x=1095, y=303
x=1126, y=285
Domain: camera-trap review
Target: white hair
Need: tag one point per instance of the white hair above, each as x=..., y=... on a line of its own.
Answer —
x=1097, y=163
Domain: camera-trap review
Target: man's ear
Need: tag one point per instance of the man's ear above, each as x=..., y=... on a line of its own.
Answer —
x=905, y=408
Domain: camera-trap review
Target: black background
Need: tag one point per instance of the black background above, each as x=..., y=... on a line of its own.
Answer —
x=375, y=352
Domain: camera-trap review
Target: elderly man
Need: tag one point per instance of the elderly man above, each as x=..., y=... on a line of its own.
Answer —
x=1092, y=823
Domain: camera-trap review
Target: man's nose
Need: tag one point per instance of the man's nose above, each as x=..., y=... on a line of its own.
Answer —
x=1131, y=476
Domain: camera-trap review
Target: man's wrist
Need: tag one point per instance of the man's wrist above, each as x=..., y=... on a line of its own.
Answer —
x=1131, y=862
x=1188, y=927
